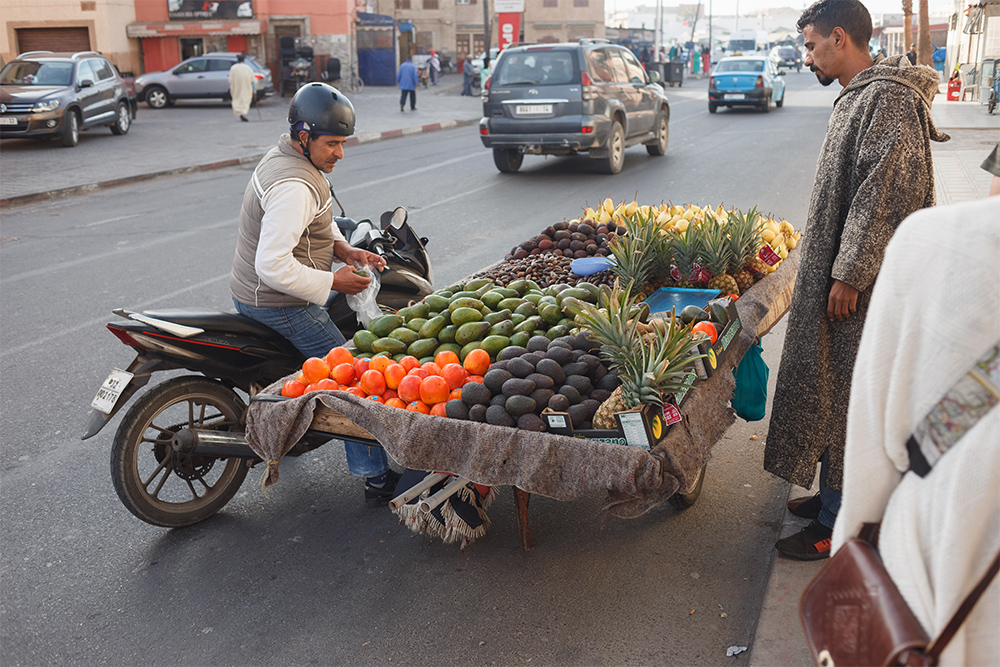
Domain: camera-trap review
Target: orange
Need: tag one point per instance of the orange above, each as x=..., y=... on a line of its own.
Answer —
x=376, y=398
x=310, y=387
x=372, y=382
x=474, y=378
x=395, y=403
x=357, y=392
x=301, y=378
x=431, y=368
x=418, y=406
x=343, y=373
x=446, y=357
x=360, y=366
x=339, y=355
x=409, y=388
x=293, y=389
x=434, y=389
x=708, y=329
x=380, y=363
x=315, y=369
x=455, y=393
x=409, y=362
x=326, y=384
x=455, y=375
x=419, y=372
x=393, y=374
x=477, y=362
x=389, y=393
x=438, y=410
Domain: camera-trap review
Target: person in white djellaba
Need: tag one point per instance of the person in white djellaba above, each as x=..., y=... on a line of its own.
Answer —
x=930, y=328
x=241, y=83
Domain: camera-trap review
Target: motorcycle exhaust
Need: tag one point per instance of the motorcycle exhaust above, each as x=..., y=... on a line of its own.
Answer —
x=219, y=444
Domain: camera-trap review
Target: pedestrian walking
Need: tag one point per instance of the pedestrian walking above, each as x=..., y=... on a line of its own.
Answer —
x=407, y=79
x=434, y=64
x=241, y=84
x=468, y=76
x=874, y=169
x=911, y=55
x=706, y=59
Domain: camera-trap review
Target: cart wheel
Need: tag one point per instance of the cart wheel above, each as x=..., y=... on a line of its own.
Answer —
x=164, y=487
x=682, y=501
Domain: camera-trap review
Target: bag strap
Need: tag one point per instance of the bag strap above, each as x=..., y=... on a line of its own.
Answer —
x=967, y=401
x=937, y=646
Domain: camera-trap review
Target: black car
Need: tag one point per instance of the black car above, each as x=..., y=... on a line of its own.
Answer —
x=787, y=56
x=44, y=94
x=560, y=99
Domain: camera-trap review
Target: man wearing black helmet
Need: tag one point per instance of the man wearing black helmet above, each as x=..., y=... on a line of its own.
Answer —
x=282, y=271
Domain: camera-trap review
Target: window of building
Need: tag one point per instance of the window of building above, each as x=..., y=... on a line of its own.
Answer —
x=402, y=4
x=581, y=3
x=430, y=4
x=550, y=3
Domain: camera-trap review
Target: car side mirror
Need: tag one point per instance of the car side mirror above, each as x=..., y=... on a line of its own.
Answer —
x=654, y=77
x=781, y=72
x=86, y=83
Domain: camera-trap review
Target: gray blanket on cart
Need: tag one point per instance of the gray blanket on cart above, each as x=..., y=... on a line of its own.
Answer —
x=556, y=466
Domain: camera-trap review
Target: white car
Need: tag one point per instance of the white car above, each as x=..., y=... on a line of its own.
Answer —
x=477, y=63
x=201, y=77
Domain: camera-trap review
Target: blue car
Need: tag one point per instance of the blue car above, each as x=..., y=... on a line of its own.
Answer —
x=746, y=81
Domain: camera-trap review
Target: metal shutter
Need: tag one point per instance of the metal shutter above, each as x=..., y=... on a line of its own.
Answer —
x=53, y=39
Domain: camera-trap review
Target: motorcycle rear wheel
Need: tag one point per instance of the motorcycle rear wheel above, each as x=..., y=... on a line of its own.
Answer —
x=163, y=487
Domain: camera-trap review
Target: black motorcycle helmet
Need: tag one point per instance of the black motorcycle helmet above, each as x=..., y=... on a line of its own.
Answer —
x=319, y=108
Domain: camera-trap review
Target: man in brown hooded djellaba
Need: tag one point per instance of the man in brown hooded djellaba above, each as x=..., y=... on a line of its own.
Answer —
x=874, y=170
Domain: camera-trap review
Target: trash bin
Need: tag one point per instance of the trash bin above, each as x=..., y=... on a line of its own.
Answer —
x=673, y=72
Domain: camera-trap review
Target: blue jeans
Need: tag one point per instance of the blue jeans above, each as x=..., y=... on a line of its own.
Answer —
x=829, y=497
x=310, y=329
x=413, y=99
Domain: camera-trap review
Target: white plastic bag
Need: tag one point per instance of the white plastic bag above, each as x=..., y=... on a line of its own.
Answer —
x=363, y=303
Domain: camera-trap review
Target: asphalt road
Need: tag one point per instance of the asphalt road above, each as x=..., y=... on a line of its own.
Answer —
x=309, y=575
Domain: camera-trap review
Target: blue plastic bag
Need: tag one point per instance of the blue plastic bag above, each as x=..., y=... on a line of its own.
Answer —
x=750, y=395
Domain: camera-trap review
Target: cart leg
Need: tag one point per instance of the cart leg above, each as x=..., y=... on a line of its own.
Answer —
x=524, y=534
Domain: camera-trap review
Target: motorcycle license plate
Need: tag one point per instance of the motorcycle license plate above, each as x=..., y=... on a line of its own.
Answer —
x=111, y=390
x=737, y=96
x=528, y=109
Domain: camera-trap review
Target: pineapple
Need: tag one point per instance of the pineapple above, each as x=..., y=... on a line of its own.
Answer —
x=635, y=252
x=687, y=253
x=648, y=365
x=744, y=242
x=755, y=266
x=718, y=257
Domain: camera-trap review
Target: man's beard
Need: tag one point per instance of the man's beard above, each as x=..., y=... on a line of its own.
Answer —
x=824, y=80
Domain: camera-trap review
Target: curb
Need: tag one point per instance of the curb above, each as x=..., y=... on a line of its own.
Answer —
x=357, y=140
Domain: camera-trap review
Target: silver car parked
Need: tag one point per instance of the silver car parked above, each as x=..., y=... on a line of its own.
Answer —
x=201, y=77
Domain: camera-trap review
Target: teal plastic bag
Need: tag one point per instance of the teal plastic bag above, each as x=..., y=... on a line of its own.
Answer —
x=750, y=395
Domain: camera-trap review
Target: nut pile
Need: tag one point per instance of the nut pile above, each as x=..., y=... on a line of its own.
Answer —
x=569, y=239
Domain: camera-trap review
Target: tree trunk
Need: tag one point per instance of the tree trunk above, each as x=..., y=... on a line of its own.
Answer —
x=924, y=36
x=907, y=25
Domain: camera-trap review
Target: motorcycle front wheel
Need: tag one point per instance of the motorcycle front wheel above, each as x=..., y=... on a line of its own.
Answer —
x=166, y=488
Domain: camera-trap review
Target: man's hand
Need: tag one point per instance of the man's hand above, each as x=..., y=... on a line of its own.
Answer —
x=346, y=281
x=351, y=256
x=843, y=301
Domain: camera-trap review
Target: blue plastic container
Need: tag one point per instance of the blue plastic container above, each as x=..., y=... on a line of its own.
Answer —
x=665, y=298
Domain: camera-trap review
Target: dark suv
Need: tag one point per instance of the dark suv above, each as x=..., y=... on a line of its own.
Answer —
x=58, y=94
x=560, y=99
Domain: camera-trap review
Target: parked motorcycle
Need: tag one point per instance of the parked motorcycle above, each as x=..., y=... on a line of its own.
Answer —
x=179, y=455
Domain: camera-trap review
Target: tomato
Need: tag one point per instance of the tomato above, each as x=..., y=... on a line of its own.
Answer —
x=293, y=389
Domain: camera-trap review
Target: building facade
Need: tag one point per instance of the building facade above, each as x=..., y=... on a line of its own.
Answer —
x=70, y=25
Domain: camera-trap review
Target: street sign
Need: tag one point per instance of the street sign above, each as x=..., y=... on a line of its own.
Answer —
x=508, y=6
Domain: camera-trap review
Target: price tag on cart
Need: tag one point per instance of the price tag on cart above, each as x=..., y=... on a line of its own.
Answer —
x=111, y=391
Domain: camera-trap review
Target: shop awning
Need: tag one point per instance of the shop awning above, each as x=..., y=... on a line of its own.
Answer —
x=185, y=28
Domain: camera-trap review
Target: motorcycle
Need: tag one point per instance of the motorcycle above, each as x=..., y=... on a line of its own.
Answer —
x=179, y=454
x=300, y=72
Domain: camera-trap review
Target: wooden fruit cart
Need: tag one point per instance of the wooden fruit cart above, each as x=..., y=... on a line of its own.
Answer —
x=558, y=466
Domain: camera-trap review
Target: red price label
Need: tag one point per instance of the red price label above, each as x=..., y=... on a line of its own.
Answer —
x=768, y=255
x=671, y=414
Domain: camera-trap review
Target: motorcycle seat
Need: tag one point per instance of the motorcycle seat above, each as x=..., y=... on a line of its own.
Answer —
x=215, y=320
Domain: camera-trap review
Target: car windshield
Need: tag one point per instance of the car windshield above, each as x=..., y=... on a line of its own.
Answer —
x=742, y=45
x=36, y=74
x=536, y=68
x=741, y=66
x=788, y=53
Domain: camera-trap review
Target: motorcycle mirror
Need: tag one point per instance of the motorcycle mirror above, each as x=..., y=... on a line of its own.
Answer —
x=396, y=218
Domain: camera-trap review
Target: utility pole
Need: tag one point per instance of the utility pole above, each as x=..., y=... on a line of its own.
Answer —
x=486, y=29
x=658, y=42
x=737, y=16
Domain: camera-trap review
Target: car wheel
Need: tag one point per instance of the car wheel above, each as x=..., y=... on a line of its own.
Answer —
x=615, y=160
x=157, y=97
x=712, y=107
x=123, y=120
x=780, y=103
x=662, y=137
x=507, y=160
x=766, y=105
x=71, y=130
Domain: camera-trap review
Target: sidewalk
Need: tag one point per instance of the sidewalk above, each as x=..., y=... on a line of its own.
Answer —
x=779, y=639
x=197, y=135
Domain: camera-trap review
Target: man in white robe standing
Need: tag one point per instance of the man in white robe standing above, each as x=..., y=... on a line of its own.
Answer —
x=241, y=83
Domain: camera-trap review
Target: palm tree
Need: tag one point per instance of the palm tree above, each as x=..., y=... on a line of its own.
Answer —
x=924, y=36
x=907, y=24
